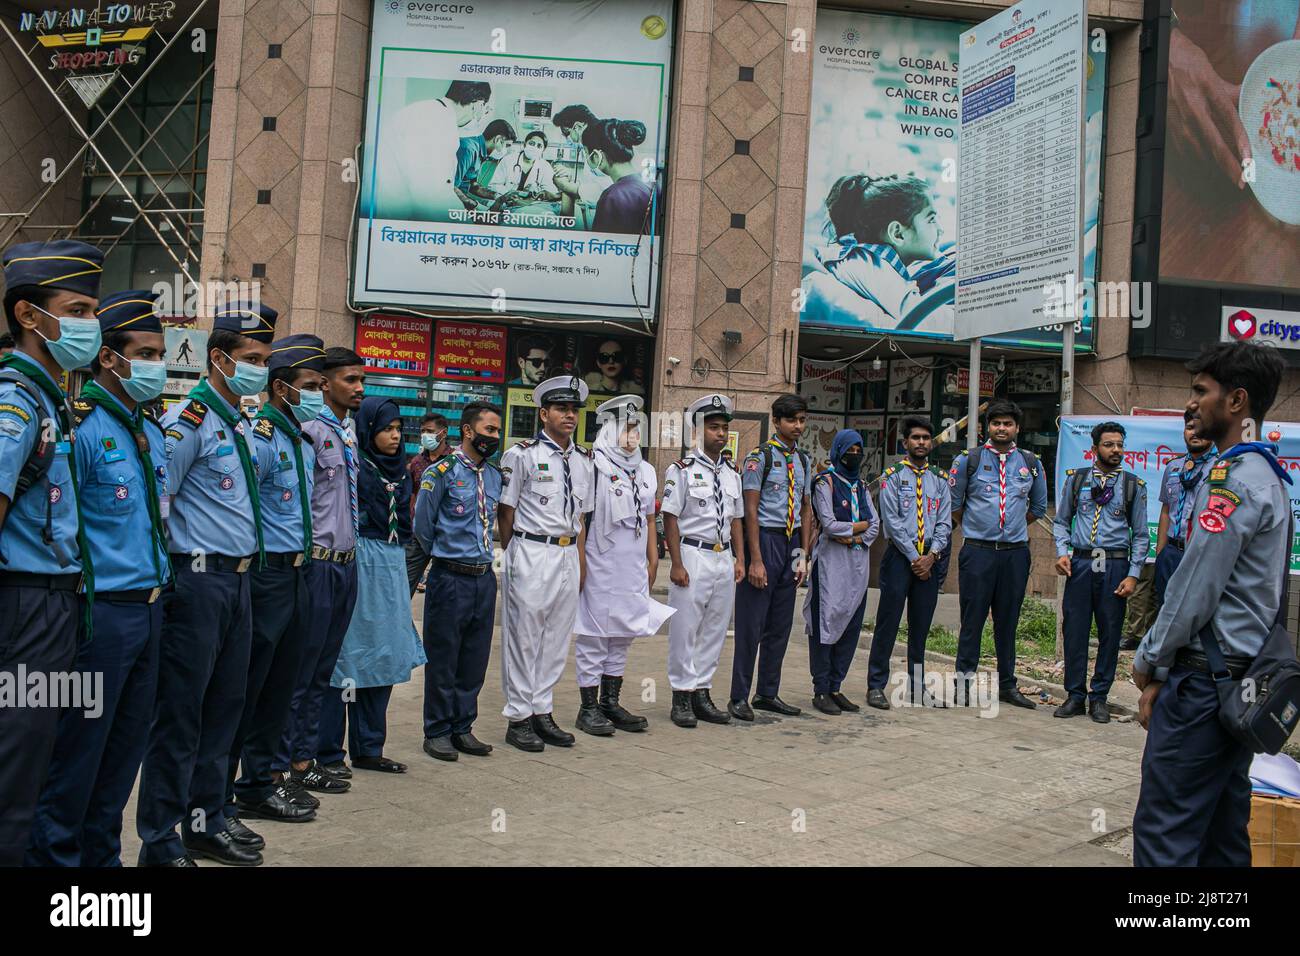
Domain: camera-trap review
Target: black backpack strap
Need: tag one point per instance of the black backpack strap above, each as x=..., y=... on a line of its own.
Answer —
x=1035, y=466
x=767, y=464
x=972, y=466
x=41, y=456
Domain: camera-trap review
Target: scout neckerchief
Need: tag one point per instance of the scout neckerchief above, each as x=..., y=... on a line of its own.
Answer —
x=464, y=459
x=1188, y=479
x=96, y=394
x=1002, y=480
x=208, y=395
x=920, y=504
x=1101, y=495
x=631, y=474
x=568, y=478
x=294, y=433
x=349, y=460
x=854, y=501
x=390, y=487
x=789, y=484
x=717, y=491
x=60, y=400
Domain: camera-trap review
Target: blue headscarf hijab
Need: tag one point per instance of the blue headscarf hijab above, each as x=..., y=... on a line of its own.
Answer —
x=844, y=439
x=378, y=471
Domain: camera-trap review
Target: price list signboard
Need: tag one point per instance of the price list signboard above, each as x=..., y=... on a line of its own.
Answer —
x=1022, y=78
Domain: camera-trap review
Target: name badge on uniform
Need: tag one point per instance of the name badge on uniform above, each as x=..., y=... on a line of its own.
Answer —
x=115, y=455
x=164, y=506
x=62, y=447
x=225, y=450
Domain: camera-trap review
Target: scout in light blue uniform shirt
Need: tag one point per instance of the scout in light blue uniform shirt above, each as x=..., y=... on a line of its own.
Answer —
x=448, y=521
x=1102, y=539
x=978, y=496
x=1178, y=486
x=280, y=601
x=52, y=290
x=774, y=498
x=122, y=476
x=216, y=539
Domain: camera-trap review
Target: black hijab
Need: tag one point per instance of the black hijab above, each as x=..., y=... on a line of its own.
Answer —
x=378, y=471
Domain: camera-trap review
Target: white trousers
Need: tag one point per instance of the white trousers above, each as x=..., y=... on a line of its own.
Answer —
x=538, y=610
x=597, y=655
x=696, y=632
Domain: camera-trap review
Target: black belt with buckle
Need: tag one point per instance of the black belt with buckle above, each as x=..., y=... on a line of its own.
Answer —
x=707, y=545
x=283, y=559
x=1118, y=555
x=50, y=582
x=997, y=545
x=455, y=567
x=138, y=596
x=780, y=530
x=1196, y=661
x=211, y=562
x=563, y=541
x=1178, y=543
x=330, y=554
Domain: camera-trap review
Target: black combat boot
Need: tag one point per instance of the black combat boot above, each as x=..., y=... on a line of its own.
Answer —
x=704, y=708
x=591, y=719
x=610, y=688
x=682, y=713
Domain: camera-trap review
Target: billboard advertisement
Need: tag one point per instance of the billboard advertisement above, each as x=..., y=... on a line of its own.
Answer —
x=514, y=156
x=394, y=344
x=1231, y=192
x=880, y=221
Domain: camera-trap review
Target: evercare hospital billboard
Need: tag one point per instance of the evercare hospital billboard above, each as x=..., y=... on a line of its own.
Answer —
x=545, y=222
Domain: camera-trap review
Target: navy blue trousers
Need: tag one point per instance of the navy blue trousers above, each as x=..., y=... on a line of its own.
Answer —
x=39, y=632
x=332, y=590
x=1194, y=806
x=202, y=671
x=1090, y=594
x=458, y=614
x=991, y=581
x=830, y=663
x=1167, y=560
x=365, y=720
x=281, y=618
x=96, y=759
x=899, y=587
x=764, y=618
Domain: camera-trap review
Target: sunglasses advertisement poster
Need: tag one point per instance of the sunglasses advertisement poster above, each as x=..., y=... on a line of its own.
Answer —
x=522, y=420
x=615, y=365
x=527, y=170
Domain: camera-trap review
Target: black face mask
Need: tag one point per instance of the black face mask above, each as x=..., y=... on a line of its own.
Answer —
x=484, y=445
x=852, y=461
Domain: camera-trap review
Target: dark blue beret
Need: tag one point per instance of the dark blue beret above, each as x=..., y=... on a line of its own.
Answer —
x=254, y=320
x=131, y=311
x=64, y=264
x=297, y=351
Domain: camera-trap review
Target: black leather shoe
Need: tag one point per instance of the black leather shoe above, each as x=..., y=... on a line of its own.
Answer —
x=242, y=835
x=826, y=705
x=682, y=714
x=1129, y=644
x=1098, y=711
x=619, y=716
x=294, y=791
x=314, y=778
x=185, y=860
x=441, y=748
x=876, y=698
x=378, y=764
x=1016, y=699
x=340, y=770
x=544, y=726
x=1073, y=707
x=521, y=735
x=275, y=806
x=740, y=709
x=843, y=703
x=702, y=706
x=776, y=705
x=222, y=848
x=470, y=745
x=591, y=719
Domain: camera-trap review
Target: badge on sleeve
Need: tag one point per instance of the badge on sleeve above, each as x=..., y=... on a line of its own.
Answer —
x=751, y=466
x=1211, y=521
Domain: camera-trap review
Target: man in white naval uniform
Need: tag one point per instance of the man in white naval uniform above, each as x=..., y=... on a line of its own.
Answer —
x=702, y=510
x=547, y=486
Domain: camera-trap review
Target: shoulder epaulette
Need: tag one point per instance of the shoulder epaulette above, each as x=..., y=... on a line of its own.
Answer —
x=1141, y=480
x=888, y=471
x=684, y=462
x=264, y=428
x=582, y=450
x=81, y=410
x=526, y=443
x=193, y=413
x=1070, y=471
x=758, y=450
x=822, y=475
x=1219, y=470
x=442, y=464
x=937, y=471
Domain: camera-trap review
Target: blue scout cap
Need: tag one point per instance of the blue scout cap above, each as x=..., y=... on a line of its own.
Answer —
x=131, y=311
x=65, y=264
x=256, y=321
x=297, y=351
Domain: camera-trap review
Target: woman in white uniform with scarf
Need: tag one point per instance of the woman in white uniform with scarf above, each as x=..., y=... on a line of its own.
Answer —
x=615, y=606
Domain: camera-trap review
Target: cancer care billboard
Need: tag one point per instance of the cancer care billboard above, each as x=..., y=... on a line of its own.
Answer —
x=514, y=156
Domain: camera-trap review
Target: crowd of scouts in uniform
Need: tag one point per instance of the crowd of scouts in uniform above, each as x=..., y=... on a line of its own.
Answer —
x=243, y=584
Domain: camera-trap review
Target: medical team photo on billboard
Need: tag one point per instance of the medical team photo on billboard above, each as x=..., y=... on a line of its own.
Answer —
x=514, y=157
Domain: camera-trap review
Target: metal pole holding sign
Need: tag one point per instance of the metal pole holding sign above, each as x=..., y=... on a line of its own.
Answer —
x=973, y=395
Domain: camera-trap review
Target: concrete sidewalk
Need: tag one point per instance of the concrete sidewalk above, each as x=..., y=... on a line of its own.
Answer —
x=903, y=787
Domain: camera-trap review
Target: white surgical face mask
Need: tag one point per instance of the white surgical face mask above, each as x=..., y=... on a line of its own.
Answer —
x=497, y=153
x=533, y=151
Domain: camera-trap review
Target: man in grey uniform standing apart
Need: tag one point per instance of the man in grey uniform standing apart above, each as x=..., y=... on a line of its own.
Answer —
x=1194, y=805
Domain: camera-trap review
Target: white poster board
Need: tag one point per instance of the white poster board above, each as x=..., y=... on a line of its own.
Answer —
x=1022, y=77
